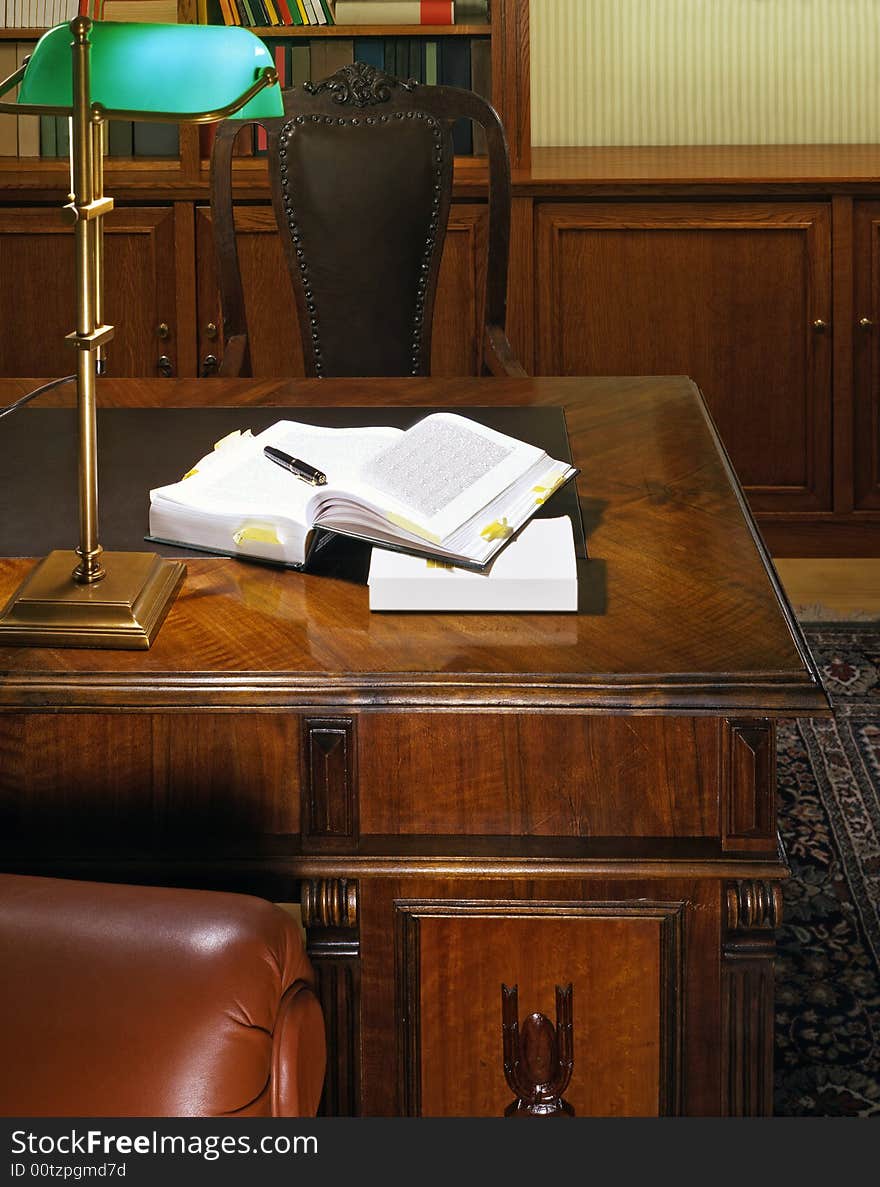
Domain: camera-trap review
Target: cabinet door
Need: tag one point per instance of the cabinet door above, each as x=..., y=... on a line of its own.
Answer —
x=866, y=357
x=38, y=291
x=434, y=957
x=271, y=309
x=736, y=295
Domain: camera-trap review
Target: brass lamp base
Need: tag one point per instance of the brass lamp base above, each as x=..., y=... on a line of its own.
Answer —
x=124, y=610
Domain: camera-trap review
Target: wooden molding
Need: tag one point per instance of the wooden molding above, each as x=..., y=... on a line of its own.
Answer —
x=754, y=906
x=329, y=781
x=329, y=902
x=748, y=781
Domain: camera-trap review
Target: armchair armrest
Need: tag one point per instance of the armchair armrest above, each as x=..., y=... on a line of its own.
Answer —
x=498, y=356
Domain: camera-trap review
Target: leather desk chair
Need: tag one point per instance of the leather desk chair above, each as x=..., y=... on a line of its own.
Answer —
x=141, y=1001
x=361, y=171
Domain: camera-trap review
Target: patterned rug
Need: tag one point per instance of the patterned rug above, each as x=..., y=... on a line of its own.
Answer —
x=828, y=965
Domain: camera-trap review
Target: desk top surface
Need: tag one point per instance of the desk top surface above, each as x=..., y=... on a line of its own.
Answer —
x=681, y=609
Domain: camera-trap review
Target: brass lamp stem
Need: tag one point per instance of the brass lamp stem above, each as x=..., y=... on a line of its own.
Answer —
x=87, y=234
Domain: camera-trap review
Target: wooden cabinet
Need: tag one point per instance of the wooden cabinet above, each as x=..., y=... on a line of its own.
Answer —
x=275, y=346
x=866, y=358
x=736, y=294
x=38, y=293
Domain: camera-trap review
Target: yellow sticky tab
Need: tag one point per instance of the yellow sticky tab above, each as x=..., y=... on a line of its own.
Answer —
x=228, y=439
x=409, y=526
x=256, y=534
x=499, y=529
x=432, y=564
x=190, y=473
x=544, y=492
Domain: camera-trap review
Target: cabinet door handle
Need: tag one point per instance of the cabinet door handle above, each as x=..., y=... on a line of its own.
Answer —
x=820, y=326
x=166, y=367
x=210, y=364
x=865, y=323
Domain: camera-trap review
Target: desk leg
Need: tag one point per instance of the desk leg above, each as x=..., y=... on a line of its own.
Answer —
x=753, y=911
x=330, y=917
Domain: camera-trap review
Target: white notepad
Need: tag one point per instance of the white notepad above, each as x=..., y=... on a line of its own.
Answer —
x=536, y=571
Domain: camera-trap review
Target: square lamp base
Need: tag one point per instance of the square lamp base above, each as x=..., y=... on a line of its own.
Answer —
x=123, y=610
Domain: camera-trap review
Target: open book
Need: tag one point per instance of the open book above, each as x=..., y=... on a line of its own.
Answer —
x=448, y=488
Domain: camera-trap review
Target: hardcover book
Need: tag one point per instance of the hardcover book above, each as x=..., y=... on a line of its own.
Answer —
x=448, y=488
x=537, y=571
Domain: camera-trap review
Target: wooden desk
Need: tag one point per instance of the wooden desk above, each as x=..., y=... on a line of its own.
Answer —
x=461, y=801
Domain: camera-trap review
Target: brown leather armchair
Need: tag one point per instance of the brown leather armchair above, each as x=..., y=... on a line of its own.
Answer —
x=142, y=1001
x=361, y=170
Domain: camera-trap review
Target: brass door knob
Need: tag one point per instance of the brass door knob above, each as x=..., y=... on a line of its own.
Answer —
x=211, y=330
x=210, y=365
x=820, y=326
x=166, y=367
x=865, y=323
x=162, y=330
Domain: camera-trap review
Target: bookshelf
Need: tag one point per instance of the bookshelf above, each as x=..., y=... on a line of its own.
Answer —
x=506, y=34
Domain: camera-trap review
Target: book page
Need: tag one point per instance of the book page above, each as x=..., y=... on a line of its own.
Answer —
x=239, y=479
x=439, y=474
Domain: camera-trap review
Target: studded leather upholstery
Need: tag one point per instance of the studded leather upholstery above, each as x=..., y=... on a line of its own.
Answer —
x=361, y=168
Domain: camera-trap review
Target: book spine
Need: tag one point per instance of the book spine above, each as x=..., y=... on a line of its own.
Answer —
x=284, y=12
x=431, y=72
x=328, y=12
x=395, y=12
x=301, y=11
x=120, y=138
x=48, y=136
x=370, y=50
x=28, y=125
x=300, y=64
x=8, y=123
x=456, y=72
x=155, y=139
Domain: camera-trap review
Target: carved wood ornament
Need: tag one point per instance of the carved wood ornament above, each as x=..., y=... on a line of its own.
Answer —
x=539, y=1059
x=360, y=85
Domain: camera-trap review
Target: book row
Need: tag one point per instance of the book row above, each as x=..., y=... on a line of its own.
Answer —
x=43, y=14
x=451, y=61
x=273, y=13
x=264, y=13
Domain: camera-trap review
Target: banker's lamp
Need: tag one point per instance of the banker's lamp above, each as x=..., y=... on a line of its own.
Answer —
x=95, y=72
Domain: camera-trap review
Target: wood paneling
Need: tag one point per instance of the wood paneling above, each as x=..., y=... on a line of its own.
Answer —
x=272, y=320
x=727, y=294
x=866, y=341
x=38, y=296
x=148, y=779
x=430, y=957
x=623, y=960
x=542, y=776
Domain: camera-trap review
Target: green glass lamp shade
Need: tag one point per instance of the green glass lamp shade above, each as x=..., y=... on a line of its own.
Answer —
x=155, y=69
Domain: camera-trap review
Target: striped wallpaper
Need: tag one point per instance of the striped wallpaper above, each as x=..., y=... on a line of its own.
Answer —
x=705, y=71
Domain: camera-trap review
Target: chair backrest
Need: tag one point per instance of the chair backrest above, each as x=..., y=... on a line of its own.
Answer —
x=361, y=169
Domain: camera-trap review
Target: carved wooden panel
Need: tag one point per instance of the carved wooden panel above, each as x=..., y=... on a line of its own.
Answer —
x=624, y=960
x=753, y=910
x=330, y=917
x=143, y=779
x=38, y=309
x=329, y=785
x=749, y=785
x=608, y=776
x=727, y=293
x=272, y=318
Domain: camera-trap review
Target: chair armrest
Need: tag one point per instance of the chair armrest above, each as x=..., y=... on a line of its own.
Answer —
x=498, y=356
x=236, y=361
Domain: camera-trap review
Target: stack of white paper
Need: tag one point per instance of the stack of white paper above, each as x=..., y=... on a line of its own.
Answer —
x=536, y=571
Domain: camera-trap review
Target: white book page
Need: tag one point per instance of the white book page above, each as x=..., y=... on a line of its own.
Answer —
x=238, y=480
x=437, y=475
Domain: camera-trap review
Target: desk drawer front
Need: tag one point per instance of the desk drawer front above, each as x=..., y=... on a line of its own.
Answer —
x=549, y=775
